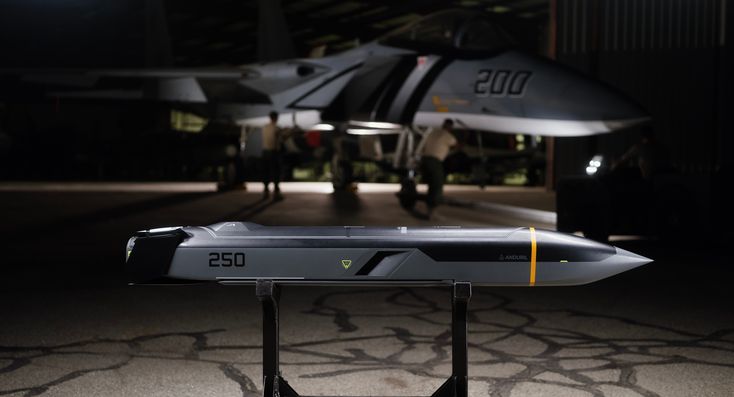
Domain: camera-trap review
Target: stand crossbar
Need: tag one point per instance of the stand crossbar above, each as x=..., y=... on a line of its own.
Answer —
x=274, y=385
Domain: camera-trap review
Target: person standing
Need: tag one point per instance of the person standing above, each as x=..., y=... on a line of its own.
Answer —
x=271, y=138
x=436, y=147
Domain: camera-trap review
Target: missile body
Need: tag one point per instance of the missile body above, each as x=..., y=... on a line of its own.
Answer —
x=240, y=252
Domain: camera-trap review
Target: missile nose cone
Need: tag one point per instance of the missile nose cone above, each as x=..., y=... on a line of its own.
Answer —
x=629, y=260
x=565, y=259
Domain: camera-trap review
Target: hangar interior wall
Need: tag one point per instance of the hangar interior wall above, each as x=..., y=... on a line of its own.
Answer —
x=674, y=58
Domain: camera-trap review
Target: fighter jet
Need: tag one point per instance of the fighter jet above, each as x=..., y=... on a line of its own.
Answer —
x=451, y=64
x=243, y=252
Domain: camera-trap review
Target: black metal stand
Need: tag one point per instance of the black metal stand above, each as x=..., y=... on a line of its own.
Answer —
x=457, y=385
x=268, y=292
x=273, y=384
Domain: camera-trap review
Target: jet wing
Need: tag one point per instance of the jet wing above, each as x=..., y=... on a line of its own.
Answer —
x=87, y=78
x=287, y=85
x=175, y=85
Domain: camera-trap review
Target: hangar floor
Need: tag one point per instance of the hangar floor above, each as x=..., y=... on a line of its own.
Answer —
x=69, y=326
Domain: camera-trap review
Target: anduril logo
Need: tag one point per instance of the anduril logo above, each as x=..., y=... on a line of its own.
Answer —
x=346, y=263
x=512, y=257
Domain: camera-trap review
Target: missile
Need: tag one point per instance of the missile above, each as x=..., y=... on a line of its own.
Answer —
x=243, y=252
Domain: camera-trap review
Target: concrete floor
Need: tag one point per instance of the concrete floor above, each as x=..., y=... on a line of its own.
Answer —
x=69, y=326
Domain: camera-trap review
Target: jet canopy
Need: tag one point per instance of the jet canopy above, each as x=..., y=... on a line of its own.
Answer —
x=455, y=31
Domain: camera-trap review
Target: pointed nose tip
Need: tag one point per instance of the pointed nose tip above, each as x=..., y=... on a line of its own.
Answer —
x=631, y=259
x=618, y=124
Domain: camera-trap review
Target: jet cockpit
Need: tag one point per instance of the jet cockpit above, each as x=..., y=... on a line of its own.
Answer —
x=458, y=32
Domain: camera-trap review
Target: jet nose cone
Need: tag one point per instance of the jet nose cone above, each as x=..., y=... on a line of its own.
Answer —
x=600, y=107
x=573, y=104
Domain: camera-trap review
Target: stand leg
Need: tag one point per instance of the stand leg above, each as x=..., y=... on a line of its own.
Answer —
x=268, y=293
x=458, y=384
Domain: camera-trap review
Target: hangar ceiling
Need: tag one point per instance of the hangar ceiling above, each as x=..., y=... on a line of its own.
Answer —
x=102, y=33
x=225, y=31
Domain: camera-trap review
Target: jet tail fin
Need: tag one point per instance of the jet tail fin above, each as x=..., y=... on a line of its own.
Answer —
x=158, y=52
x=273, y=37
x=318, y=51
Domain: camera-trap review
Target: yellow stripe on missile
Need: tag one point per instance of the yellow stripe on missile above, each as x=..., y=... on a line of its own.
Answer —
x=533, y=255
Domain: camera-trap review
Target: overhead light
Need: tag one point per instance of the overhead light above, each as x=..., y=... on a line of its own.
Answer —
x=322, y=127
x=375, y=124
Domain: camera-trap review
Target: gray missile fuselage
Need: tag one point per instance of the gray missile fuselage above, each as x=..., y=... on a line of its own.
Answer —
x=238, y=252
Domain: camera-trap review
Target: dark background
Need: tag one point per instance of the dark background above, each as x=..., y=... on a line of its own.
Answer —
x=61, y=251
x=674, y=58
